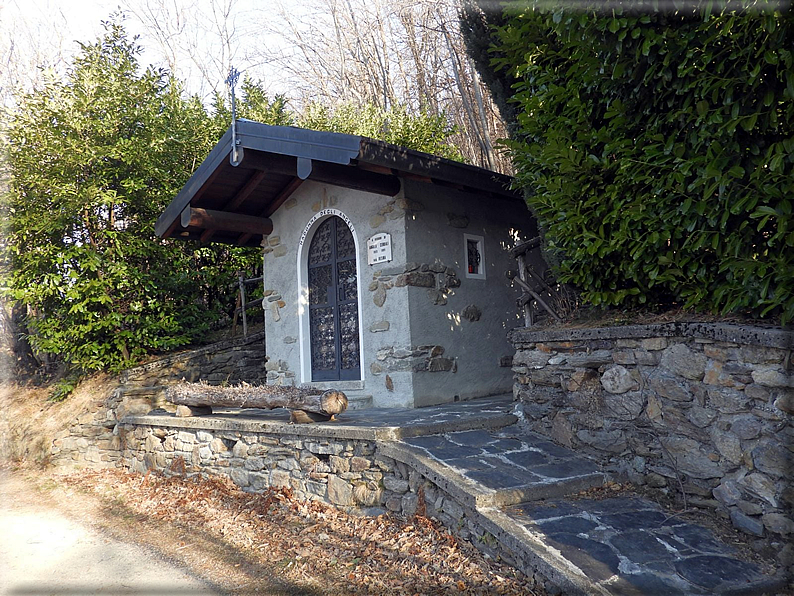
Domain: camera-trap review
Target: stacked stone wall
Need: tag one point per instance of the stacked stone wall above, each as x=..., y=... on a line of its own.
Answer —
x=353, y=474
x=227, y=362
x=706, y=409
x=92, y=439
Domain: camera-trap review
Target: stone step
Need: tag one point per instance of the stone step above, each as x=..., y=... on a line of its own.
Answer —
x=515, y=466
x=628, y=545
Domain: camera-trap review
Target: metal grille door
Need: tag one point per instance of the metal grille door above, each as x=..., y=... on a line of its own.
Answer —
x=333, y=303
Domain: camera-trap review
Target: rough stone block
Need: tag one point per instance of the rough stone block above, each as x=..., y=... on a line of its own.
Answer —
x=592, y=359
x=279, y=478
x=785, y=402
x=747, y=524
x=683, y=361
x=778, y=523
x=395, y=485
x=624, y=357
x=359, y=464
x=715, y=375
x=409, y=503
x=626, y=406
x=772, y=377
x=746, y=426
x=394, y=504
x=773, y=458
x=750, y=508
x=727, y=400
x=612, y=441
x=186, y=437
x=617, y=379
x=701, y=417
x=339, y=492
x=690, y=459
x=761, y=486
x=254, y=464
x=531, y=358
x=727, y=493
x=728, y=445
x=670, y=386
x=653, y=343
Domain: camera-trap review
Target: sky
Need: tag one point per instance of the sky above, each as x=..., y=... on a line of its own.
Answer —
x=34, y=30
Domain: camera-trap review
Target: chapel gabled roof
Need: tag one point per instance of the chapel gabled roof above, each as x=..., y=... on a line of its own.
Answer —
x=232, y=203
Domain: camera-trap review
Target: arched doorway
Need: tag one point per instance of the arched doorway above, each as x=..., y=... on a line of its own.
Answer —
x=333, y=303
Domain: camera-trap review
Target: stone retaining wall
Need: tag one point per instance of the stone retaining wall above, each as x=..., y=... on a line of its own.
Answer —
x=358, y=472
x=227, y=362
x=706, y=408
x=92, y=438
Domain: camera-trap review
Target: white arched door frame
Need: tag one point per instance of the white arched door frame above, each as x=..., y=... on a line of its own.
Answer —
x=304, y=337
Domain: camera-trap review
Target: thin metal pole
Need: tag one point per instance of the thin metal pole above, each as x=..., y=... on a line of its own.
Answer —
x=241, y=281
x=231, y=80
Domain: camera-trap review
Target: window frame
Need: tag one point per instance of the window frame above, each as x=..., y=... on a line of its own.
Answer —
x=480, y=248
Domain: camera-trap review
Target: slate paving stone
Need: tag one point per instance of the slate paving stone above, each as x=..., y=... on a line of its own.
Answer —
x=597, y=560
x=566, y=469
x=472, y=438
x=539, y=510
x=567, y=525
x=712, y=571
x=646, y=584
x=617, y=505
x=528, y=459
x=699, y=538
x=480, y=464
x=679, y=549
x=553, y=449
x=451, y=451
x=502, y=445
x=640, y=546
x=429, y=441
x=500, y=479
x=635, y=520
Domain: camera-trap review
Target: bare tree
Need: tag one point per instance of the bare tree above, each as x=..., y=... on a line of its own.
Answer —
x=29, y=48
x=385, y=52
x=198, y=40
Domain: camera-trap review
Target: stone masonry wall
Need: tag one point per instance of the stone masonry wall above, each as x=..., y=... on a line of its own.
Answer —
x=92, y=438
x=706, y=408
x=349, y=473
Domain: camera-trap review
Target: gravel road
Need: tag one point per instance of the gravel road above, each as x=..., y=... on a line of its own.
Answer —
x=42, y=551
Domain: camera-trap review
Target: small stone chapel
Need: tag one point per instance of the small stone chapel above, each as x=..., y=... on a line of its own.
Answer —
x=384, y=267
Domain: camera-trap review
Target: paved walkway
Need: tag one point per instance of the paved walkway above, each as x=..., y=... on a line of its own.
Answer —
x=520, y=486
x=621, y=545
x=522, y=483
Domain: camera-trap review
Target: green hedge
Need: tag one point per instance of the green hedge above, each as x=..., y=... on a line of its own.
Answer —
x=657, y=150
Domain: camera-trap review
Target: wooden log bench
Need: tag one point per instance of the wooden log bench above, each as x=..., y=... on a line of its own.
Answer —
x=306, y=404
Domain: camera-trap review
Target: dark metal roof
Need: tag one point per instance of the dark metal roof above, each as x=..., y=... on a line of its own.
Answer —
x=274, y=160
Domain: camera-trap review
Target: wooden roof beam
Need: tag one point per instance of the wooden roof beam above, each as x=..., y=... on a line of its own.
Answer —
x=225, y=221
x=245, y=192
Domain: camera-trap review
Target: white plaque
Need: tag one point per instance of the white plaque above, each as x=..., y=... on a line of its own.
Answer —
x=379, y=249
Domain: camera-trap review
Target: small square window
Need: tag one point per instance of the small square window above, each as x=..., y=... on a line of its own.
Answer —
x=474, y=255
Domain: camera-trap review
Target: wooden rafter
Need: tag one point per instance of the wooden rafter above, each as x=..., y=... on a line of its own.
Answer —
x=277, y=202
x=238, y=199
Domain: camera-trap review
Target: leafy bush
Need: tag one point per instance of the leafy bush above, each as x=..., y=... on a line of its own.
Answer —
x=424, y=131
x=94, y=158
x=657, y=150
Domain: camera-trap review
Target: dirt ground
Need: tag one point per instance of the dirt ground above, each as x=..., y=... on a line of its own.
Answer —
x=111, y=532
x=47, y=551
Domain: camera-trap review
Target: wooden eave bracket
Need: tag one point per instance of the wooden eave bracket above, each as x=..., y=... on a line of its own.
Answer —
x=206, y=219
